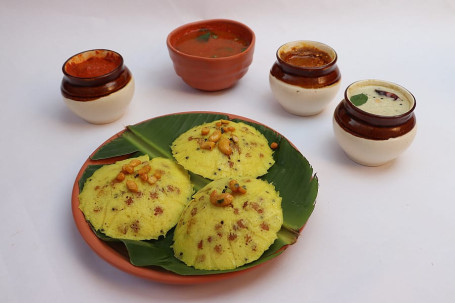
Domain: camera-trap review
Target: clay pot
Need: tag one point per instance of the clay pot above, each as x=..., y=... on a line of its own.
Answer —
x=305, y=90
x=374, y=139
x=100, y=90
x=211, y=74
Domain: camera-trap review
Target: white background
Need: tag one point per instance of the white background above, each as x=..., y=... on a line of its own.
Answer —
x=384, y=234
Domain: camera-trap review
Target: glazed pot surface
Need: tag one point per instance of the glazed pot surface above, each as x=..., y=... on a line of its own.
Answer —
x=372, y=139
x=97, y=86
x=305, y=77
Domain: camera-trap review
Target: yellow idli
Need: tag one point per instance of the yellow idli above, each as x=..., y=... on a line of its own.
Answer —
x=137, y=199
x=222, y=149
x=215, y=237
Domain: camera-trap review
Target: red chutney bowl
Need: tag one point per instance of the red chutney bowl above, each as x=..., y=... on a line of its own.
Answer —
x=211, y=55
x=97, y=86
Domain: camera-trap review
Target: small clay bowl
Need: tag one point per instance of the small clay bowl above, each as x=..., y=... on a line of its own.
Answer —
x=305, y=77
x=211, y=71
x=97, y=86
x=377, y=131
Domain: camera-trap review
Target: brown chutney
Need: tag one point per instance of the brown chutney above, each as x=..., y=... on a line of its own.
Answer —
x=306, y=56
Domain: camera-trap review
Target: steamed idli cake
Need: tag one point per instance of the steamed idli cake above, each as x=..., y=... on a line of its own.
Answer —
x=137, y=199
x=228, y=223
x=223, y=149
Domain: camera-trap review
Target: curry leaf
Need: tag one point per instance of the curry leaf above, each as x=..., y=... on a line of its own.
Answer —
x=359, y=99
x=204, y=37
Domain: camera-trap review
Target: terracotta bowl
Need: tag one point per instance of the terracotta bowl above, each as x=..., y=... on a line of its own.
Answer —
x=211, y=73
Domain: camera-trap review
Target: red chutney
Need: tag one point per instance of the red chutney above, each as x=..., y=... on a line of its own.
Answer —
x=211, y=43
x=307, y=56
x=93, y=67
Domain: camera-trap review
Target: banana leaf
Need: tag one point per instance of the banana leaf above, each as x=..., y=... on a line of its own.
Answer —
x=291, y=175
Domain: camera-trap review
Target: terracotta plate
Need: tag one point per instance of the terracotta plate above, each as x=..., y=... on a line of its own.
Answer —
x=115, y=253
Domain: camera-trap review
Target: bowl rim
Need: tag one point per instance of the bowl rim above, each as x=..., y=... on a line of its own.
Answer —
x=211, y=21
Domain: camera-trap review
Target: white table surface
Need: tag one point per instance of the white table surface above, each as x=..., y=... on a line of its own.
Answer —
x=384, y=234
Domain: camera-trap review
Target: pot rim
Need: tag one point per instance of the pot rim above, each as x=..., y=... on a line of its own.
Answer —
x=326, y=68
x=376, y=119
x=114, y=73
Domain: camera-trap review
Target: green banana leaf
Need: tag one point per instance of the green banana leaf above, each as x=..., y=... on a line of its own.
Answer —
x=291, y=174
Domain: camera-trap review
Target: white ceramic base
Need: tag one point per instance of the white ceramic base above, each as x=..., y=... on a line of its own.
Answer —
x=372, y=152
x=105, y=109
x=302, y=101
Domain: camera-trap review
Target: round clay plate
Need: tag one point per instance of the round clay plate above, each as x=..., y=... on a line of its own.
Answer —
x=116, y=254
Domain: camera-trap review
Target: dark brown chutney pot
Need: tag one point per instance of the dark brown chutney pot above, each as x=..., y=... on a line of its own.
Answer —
x=85, y=88
x=373, y=139
x=367, y=125
x=307, y=85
